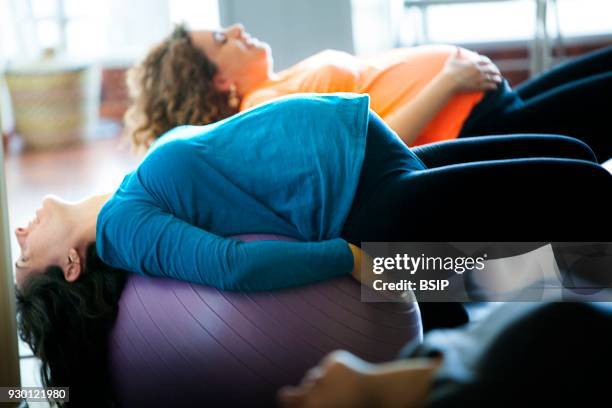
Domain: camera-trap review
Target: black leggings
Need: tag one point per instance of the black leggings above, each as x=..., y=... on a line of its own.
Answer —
x=571, y=99
x=503, y=188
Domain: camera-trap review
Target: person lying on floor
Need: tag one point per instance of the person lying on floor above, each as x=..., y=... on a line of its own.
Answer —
x=199, y=185
x=426, y=93
x=522, y=354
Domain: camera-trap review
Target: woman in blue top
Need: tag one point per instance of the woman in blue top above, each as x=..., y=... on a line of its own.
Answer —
x=322, y=169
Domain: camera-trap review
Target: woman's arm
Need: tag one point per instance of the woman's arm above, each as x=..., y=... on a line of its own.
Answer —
x=344, y=380
x=459, y=74
x=152, y=242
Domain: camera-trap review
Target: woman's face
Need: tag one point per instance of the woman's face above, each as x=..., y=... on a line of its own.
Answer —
x=238, y=56
x=44, y=241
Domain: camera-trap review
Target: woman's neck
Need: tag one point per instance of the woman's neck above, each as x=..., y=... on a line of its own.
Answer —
x=85, y=217
x=250, y=84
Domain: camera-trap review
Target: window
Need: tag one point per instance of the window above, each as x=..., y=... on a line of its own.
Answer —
x=503, y=20
x=102, y=29
x=464, y=23
x=201, y=14
x=585, y=17
x=543, y=24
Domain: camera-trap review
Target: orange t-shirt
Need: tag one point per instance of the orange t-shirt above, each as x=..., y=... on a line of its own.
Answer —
x=392, y=79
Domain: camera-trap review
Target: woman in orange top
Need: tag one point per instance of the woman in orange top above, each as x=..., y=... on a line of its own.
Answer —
x=425, y=93
x=423, y=75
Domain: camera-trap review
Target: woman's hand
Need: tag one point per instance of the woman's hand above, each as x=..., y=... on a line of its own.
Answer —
x=363, y=272
x=340, y=380
x=469, y=74
x=344, y=380
x=462, y=72
x=359, y=256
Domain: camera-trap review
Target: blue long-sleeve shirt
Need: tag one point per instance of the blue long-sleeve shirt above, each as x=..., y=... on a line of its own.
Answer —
x=289, y=167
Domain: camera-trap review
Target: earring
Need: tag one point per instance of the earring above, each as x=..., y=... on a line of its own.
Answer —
x=232, y=98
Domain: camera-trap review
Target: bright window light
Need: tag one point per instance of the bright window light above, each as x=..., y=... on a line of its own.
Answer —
x=85, y=9
x=197, y=14
x=48, y=33
x=503, y=21
x=106, y=30
x=85, y=38
x=585, y=17
x=44, y=8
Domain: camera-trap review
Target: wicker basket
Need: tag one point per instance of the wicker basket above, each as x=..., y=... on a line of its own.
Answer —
x=53, y=107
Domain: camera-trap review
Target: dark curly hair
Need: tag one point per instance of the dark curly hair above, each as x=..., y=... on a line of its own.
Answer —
x=172, y=86
x=67, y=326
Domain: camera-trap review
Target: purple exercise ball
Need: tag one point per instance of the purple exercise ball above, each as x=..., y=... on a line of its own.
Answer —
x=180, y=344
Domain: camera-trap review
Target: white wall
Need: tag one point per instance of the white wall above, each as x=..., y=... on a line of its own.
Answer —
x=376, y=24
x=294, y=29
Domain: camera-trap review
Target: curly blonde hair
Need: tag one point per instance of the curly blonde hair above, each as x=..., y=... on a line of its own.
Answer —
x=172, y=86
